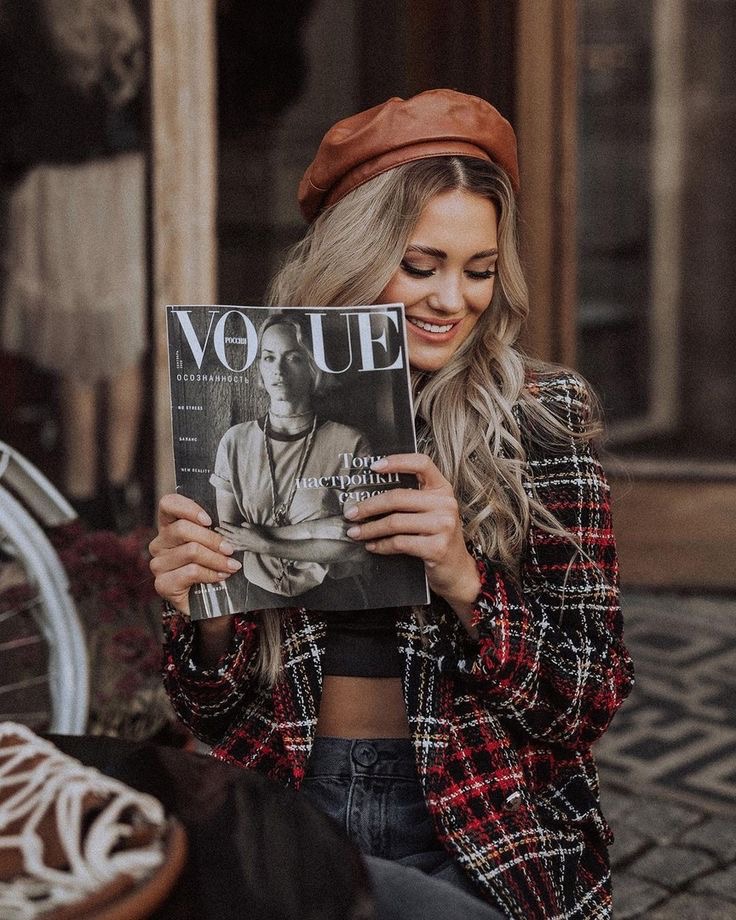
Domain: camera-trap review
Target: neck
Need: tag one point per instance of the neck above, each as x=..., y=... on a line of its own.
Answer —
x=291, y=424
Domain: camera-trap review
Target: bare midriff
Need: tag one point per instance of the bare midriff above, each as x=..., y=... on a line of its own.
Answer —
x=362, y=707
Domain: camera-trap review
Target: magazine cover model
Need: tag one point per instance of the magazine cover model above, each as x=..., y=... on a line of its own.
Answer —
x=277, y=416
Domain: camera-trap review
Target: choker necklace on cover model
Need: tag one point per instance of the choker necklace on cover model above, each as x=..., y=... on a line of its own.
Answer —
x=295, y=415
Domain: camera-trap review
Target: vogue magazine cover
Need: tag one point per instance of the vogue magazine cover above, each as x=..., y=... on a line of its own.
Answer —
x=277, y=416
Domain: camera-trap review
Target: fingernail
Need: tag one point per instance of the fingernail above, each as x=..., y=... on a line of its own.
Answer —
x=379, y=464
x=204, y=518
x=353, y=531
x=370, y=546
x=350, y=511
x=233, y=565
x=226, y=548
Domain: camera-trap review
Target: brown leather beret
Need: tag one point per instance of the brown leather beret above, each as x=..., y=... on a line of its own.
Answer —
x=439, y=122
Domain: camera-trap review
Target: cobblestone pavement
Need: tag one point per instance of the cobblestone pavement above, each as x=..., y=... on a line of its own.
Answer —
x=668, y=763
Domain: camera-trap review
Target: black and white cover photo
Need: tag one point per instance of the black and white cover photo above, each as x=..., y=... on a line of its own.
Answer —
x=277, y=416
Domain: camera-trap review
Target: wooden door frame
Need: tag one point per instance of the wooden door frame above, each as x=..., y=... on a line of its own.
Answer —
x=546, y=125
x=183, y=190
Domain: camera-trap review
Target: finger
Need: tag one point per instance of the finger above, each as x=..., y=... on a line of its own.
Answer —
x=402, y=500
x=234, y=533
x=418, y=464
x=183, y=531
x=174, y=506
x=240, y=542
x=428, y=548
x=409, y=524
x=181, y=556
x=235, y=536
x=177, y=583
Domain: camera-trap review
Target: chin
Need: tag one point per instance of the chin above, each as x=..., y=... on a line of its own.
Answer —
x=429, y=363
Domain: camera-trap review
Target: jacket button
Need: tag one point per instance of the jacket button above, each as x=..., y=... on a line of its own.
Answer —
x=513, y=802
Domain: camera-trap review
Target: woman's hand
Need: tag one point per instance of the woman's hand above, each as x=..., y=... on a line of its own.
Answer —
x=186, y=552
x=423, y=523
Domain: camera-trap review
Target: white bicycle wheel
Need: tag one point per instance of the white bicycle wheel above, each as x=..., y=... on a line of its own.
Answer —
x=44, y=673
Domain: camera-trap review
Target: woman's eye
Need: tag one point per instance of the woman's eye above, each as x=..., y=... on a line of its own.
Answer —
x=482, y=276
x=417, y=272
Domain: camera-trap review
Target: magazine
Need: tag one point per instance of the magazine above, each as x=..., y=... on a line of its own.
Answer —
x=277, y=417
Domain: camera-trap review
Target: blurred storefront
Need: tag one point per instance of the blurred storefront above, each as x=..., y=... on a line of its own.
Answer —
x=655, y=314
x=625, y=111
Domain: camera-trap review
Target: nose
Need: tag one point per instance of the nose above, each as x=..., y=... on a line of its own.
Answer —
x=447, y=296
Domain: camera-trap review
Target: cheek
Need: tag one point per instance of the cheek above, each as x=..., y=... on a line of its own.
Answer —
x=398, y=290
x=482, y=300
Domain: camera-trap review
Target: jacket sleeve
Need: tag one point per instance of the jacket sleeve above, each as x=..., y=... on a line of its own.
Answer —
x=550, y=655
x=208, y=700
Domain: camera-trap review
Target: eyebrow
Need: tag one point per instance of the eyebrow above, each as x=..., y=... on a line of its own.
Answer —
x=440, y=254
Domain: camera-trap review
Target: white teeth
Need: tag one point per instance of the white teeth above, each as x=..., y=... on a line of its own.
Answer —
x=429, y=327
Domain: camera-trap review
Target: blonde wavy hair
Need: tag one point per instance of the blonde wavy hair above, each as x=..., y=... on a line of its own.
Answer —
x=469, y=413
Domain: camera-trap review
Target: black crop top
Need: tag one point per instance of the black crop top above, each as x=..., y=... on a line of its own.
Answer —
x=361, y=643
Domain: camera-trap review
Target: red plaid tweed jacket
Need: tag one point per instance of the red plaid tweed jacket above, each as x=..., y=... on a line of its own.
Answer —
x=502, y=726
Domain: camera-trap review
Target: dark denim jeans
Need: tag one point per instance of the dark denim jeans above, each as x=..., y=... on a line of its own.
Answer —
x=370, y=787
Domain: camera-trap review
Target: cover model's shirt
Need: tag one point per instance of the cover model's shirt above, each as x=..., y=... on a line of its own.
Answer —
x=242, y=469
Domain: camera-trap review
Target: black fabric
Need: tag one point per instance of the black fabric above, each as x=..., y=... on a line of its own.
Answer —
x=362, y=643
x=261, y=63
x=256, y=850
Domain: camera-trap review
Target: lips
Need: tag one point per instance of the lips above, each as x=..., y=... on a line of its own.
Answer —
x=433, y=331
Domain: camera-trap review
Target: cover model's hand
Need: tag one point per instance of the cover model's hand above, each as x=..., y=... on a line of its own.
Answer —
x=322, y=540
x=245, y=537
x=186, y=552
x=423, y=523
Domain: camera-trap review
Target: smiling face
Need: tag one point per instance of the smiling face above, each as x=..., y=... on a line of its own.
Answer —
x=285, y=367
x=446, y=277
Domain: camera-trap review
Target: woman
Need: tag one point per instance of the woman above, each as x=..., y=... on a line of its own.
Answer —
x=517, y=666
x=293, y=539
x=73, y=249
